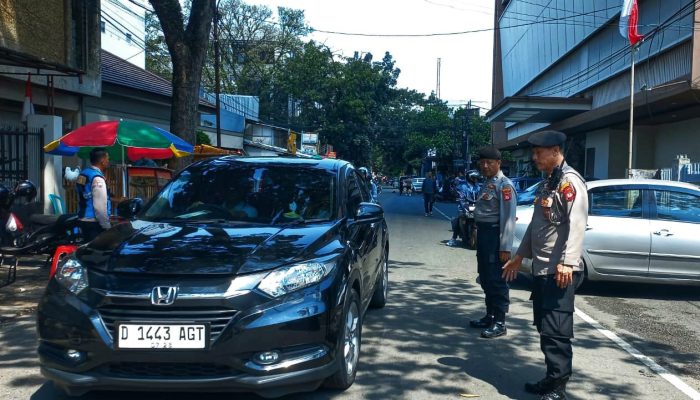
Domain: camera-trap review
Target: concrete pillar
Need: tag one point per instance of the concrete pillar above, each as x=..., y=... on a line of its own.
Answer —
x=53, y=165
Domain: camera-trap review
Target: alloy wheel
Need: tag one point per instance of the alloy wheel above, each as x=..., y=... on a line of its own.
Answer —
x=352, y=342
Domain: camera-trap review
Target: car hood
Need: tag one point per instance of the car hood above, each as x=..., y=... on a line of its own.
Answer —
x=163, y=248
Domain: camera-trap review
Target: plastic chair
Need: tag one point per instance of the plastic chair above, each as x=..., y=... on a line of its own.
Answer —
x=59, y=206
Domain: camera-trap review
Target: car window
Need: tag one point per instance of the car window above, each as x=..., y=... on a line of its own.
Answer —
x=364, y=188
x=616, y=203
x=677, y=206
x=354, y=194
x=245, y=193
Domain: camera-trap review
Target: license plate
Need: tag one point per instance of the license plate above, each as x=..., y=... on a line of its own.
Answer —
x=162, y=336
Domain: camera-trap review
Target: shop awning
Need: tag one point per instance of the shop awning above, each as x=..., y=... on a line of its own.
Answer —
x=537, y=109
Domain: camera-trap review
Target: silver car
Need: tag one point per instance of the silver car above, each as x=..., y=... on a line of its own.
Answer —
x=638, y=230
x=417, y=184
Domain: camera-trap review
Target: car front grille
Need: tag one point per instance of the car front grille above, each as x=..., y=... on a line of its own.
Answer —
x=168, y=370
x=217, y=318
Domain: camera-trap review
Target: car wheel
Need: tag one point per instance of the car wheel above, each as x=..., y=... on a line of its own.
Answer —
x=348, y=353
x=381, y=290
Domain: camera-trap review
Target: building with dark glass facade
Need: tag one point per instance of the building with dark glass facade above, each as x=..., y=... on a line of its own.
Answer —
x=562, y=64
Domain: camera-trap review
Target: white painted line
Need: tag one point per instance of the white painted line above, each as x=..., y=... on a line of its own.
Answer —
x=661, y=371
x=442, y=213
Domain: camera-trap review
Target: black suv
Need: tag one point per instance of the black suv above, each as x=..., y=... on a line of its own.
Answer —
x=242, y=274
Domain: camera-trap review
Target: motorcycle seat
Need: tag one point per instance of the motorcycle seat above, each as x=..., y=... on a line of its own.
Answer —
x=43, y=219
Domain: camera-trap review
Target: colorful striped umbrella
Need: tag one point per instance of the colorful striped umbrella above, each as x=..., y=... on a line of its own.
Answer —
x=132, y=139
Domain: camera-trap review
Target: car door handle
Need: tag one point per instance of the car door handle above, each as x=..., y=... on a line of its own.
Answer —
x=663, y=232
x=588, y=227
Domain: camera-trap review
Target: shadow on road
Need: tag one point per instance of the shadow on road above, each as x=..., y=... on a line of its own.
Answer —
x=418, y=344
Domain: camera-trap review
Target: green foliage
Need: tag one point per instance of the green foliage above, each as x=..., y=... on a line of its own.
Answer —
x=203, y=138
x=157, y=55
x=353, y=103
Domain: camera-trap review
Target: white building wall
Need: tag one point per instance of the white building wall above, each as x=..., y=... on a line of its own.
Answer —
x=124, y=30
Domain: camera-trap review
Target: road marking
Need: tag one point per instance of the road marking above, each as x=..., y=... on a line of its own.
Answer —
x=442, y=213
x=661, y=371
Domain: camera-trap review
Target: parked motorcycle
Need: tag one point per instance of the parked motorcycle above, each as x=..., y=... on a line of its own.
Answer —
x=26, y=231
x=467, y=225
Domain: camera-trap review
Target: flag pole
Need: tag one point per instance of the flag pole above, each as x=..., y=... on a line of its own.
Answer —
x=631, y=133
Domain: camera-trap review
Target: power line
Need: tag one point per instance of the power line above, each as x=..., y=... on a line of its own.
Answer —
x=574, y=80
x=455, y=33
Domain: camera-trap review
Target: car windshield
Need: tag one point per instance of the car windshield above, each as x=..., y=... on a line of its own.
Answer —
x=266, y=194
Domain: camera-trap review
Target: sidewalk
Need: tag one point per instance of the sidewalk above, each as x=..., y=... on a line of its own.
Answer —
x=21, y=297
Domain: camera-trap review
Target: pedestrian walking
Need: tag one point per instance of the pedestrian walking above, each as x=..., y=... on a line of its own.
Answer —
x=428, y=188
x=495, y=227
x=94, y=204
x=554, y=242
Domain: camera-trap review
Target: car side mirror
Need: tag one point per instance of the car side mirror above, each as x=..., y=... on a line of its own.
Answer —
x=369, y=212
x=127, y=209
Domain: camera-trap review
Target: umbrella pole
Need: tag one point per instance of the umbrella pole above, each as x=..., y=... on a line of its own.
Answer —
x=123, y=174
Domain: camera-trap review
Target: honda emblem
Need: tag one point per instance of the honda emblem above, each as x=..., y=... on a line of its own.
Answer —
x=163, y=295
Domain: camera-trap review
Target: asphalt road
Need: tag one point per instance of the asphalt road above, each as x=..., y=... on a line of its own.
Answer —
x=418, y=347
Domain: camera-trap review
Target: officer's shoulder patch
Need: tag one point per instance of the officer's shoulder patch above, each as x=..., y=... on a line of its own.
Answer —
x=507, y=193
x=567, y=190
x=82, y=179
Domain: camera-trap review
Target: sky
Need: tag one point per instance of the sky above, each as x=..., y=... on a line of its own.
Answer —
x=466, y=60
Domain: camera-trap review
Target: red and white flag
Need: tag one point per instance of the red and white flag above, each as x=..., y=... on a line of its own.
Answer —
x=628, y=22
x=27, y=107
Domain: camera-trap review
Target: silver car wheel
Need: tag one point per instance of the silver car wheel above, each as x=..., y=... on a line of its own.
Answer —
x=386, y=277
x=352, y=343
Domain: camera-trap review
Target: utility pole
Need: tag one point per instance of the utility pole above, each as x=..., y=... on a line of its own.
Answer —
x=467, y=135
x=217, y=73
x=437, y=86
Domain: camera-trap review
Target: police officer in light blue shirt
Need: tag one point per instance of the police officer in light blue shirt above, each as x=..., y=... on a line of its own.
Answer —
x=495, y=227
x=554, y=243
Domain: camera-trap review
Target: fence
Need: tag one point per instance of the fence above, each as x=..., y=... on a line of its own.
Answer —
x=686, y=173
x=21, y=157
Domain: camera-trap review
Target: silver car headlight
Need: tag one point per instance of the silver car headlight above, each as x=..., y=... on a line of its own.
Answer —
x=72, y=275
x=298, y=276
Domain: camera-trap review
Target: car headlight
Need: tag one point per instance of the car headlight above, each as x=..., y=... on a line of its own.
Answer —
x=288, y=279
x=72, y=275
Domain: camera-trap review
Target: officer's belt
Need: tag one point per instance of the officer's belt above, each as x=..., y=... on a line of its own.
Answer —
x=487, y=224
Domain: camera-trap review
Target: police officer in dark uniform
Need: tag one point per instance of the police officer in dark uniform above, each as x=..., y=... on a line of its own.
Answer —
x=495, y=227
x=554, y=242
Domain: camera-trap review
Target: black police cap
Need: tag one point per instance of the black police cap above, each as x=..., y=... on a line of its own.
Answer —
x=490, y=153
x=547, y=139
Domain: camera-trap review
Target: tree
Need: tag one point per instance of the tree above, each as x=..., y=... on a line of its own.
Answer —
x=157, y=56
x=253, y=52
x=187, y=45
x=202, y=137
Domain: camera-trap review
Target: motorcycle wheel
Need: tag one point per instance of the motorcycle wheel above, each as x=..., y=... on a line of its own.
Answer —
x=472, y=238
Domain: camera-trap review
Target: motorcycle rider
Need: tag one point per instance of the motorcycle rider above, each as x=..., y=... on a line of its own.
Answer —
x=468, y=189
x=364, y=172
x=94, y=204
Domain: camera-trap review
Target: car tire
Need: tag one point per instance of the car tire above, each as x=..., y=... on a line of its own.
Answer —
x=348, y=353
x=381, y=289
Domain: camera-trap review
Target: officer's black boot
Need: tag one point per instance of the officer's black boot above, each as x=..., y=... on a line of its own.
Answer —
x=497, y=328
x=546, y=385
x=485, y=321
x=558, y=392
